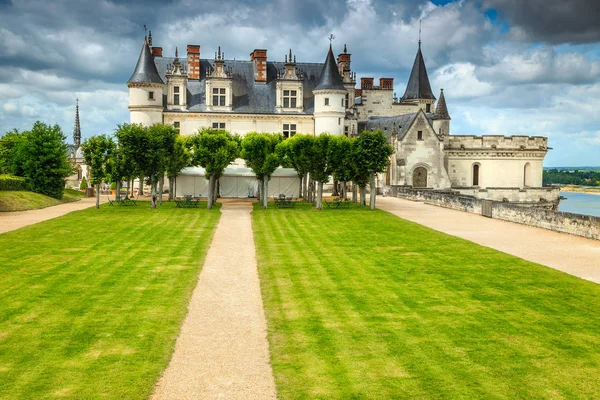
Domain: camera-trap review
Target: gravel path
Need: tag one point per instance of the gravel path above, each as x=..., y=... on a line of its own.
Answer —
x=222, y=350
x=9, y=221
x=571, y=254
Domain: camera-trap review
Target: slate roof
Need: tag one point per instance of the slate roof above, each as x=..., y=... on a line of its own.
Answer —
x=389, y=125
x=441, y=110
x=145, y=70
x=330, y=75
x=418, y=84
x=248, y=97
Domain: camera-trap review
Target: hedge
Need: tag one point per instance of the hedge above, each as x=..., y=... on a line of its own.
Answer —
x=9, y=182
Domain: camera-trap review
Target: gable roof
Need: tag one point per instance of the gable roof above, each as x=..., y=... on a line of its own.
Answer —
x=418, y=84
x=330, y=75
x=145, y=70
x=398, y=123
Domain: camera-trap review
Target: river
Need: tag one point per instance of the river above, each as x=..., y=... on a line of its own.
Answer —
x=580, y=203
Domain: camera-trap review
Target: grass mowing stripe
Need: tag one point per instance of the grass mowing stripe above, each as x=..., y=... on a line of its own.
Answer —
x=92, y=307
x=362, y=304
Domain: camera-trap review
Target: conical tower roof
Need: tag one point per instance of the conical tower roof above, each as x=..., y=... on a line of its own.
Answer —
x=441, y=110
x=418, y=84
x=330, y=76
x=145, y=70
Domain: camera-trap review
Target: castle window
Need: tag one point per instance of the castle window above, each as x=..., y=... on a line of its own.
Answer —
x=218, y=125
x=150, y=95
x=176, y=95
x=218, y=97
x=176, y=125
x=289, y=98
x=326, y=101
x=346, y=130
x=476, y=175
x=289, y=130
x=428, y=108
x=420, y=135
x=343, y=102
x=347, y=99
x=339, y=121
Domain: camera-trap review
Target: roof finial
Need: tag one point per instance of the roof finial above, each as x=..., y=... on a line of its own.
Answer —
x=420, y=33
x=345, y=49
x=330, y=37
x=150, y=38
x=145, y=32
x=176, y=52
x=290, y=58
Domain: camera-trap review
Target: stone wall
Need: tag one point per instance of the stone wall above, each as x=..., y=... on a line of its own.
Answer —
x=538, y=215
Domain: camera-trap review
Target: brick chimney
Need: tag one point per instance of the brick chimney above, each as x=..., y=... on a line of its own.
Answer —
x=259, y=56
x=157, y=51
x=366, y=83
x=193, y=60
x=386, y=83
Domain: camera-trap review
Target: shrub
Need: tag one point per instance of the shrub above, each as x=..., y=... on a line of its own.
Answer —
x=9, y=182
x=113, y=186
x=83, y=185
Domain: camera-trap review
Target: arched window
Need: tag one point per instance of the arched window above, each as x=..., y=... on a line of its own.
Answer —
x=475, y=174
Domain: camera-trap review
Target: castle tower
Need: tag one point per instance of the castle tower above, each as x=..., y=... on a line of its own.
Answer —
x=441, y=118
x=77, y=128
x=418, y=91
x=145, y=90
x=330, y=97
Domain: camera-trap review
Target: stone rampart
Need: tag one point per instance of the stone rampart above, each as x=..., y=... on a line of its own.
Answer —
x=471, y=142
x=538, y=215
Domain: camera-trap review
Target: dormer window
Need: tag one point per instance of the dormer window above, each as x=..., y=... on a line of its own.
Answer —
x=218, y=98
x=289, y=98
x=150, y=95
x=176, y=95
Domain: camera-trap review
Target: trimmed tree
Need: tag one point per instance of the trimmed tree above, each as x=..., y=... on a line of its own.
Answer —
x=371, y=155
x=42, y=157
x=178, y=160
x=340, y=155
x=318, y=166
x=83, y=185
x=294, y=152
x=96, y=152
x=259, y=151
x=213, y=150
x=131, y=139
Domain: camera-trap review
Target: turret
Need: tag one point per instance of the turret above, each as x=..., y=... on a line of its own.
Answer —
x=330, y=96
x=146, y=90
x=441, y=118
x=418, y=91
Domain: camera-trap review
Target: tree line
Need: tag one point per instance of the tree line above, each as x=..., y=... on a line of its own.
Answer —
x=576, y=177
x=151, y=153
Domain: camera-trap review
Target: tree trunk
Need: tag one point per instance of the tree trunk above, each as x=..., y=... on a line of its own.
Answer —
x=171, y=186
x=211, y=188
x=336, y=192
x=118, y=196
x=363, y=195
x=259, y=191
x=141, y=186
x=318, y=200
x=97, y=195
x=305, y=187
x=300, y=188
x=161, y=184
x=373, y=191
x=216, y=190
x=152, y=193
x=354, y=193
x=266, y=196
x=344, y=191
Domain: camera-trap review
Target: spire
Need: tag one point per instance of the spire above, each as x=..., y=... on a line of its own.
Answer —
x=145, y=70
x=441, y=111
x=418, y=84
x=330, y=76
x=77, y=129
x=150, y=38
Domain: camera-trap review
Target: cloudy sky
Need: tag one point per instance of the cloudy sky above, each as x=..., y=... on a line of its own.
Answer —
x=507, y=67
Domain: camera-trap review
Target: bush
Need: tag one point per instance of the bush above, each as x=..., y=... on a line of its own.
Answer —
x=113, y=186
x=9, y=182
x=83, y=185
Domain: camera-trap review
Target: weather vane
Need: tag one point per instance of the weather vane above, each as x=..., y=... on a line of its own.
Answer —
x=330, y=37
x=145, y=29
x=420, y=33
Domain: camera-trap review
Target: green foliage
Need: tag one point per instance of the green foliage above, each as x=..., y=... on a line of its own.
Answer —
x=575, y=177
x=42, y=156
x=132, y=141
x=339, y=156
x=113, y=186
x=10, y=182
x=258, y=150
x=213, y=150
x=8, y=147
x=83, y=185
x=96, y=152
x=316, y=154
x=180, y=158
x=371, y=153
x=294, y=152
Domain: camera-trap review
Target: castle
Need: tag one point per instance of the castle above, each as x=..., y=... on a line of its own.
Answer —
x=292, y=97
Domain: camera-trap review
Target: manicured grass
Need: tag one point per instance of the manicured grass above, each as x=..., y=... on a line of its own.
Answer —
x=363, y=305
x=21, y=201
x=91, y=303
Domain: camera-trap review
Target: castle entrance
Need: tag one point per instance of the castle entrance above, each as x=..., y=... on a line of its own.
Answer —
x=419, y=177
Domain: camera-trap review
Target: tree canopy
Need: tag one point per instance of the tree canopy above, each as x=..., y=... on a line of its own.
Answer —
x=96, y=152
x=370, y=155
x=259, y=151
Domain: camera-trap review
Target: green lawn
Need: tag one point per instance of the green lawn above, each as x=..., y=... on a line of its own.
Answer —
x=363, y=305
x=21, y=200
x=91, y=303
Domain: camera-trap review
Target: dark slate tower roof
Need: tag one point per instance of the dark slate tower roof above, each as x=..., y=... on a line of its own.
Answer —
x=77, y=128
x=441, y=110
x=330, y=76
x=145, y=70
x=418, y=84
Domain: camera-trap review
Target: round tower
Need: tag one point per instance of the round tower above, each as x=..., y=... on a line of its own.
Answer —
x=330, y=96
x=441, y=118
x=145, y=90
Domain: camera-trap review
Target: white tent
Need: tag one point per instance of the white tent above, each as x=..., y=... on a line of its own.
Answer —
x=237, y=182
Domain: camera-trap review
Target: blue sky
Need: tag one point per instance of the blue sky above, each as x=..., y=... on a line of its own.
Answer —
x=507, y=67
